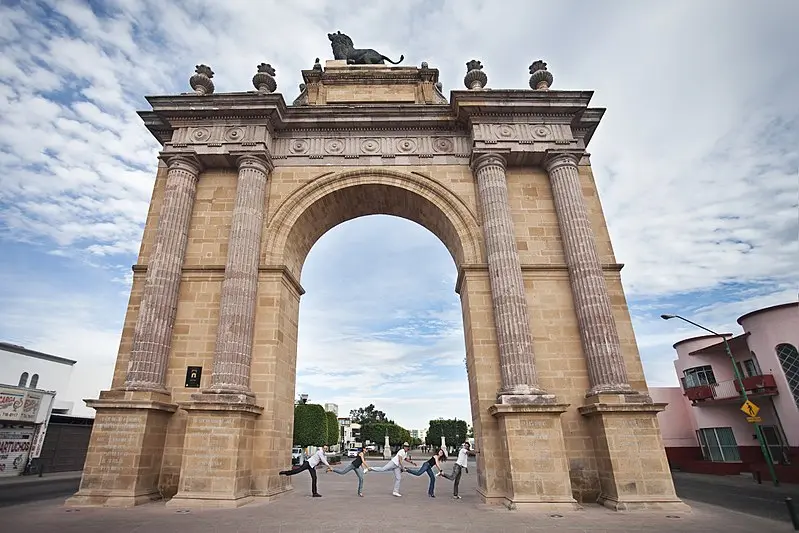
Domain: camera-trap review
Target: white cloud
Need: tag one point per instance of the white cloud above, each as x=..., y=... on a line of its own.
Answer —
x=695, y=160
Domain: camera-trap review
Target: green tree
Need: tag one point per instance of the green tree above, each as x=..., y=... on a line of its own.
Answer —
x=332, y=428
x=310, y=425
x=369, y=415
x=376, y=432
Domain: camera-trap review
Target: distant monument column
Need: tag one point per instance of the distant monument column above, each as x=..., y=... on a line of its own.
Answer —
x=387, y=449
x=152, y=336
x=606, y=370
x=517, y=364
x=233, y=354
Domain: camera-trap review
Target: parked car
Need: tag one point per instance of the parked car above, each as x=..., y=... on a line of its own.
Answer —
x=352, y=452
x=297, y=456
x=371, y=448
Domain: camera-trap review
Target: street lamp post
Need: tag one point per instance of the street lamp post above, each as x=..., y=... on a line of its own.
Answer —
x=739, y=379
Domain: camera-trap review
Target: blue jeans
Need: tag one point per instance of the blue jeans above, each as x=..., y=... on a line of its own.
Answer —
x=431, y=489
x=358, y=472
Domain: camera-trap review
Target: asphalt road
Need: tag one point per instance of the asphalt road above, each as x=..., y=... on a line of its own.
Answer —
x=40, y=490
x=738, y=493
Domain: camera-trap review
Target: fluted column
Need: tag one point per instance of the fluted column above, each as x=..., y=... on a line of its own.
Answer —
x=152, y=336
x=606, y=370
x=517, y=364
x=231, y=370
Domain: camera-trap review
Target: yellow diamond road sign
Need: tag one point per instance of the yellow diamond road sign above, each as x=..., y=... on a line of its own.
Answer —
x=749, y=408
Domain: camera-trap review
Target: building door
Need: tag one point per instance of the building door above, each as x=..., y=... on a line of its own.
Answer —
x=774, y=442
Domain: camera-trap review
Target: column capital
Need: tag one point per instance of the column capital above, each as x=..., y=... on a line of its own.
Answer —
x=481, y=160
x=183, y=161
x=555, y=159
x=260, y=160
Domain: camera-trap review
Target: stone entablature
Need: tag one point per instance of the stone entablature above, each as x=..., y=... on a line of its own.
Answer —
x=522, y=125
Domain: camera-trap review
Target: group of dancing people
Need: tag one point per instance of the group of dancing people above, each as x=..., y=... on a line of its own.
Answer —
x=395, y=465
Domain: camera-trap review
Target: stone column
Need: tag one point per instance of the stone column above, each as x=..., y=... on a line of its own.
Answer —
x=606, y=370
x=152, y=336
x=517, y=365
x=231, y=370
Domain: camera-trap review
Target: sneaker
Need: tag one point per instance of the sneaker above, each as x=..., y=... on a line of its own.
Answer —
x=397, y=494
x=317, y=495
x=360, y=494
x=432, y=495
x=456, y=497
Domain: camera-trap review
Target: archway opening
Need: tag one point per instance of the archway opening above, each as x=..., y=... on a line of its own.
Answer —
x=407, y=345
x=380, y=324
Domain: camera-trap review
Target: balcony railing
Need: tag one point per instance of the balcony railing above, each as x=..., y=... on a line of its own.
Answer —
x=725, y=390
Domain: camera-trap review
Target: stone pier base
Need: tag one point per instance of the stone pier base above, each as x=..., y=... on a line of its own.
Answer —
x=537, y=476
x=634, y=473
x=216, y=469
x=123, y=461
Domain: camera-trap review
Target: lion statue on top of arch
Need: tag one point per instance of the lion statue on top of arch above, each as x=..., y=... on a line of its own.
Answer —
x=343, y=48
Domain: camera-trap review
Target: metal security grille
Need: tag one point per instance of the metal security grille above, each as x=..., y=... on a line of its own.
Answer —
x=789, y=359
x=718, y=445
x=699, y=375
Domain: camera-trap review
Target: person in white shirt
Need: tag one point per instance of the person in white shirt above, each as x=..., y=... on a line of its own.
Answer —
x=310, y=466
x=395, y=465
x=457, y=469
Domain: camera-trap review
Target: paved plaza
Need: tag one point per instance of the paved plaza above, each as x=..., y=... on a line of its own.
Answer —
x=340, y=510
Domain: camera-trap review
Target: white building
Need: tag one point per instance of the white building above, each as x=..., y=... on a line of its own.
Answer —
x=350, y=432
x=332, y=407
x=21, y=367
x=419, y=434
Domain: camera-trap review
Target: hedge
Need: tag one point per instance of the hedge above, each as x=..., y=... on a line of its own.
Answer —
x=310, y=425
x=376, y=433
x=448, y=428
x=332, y=428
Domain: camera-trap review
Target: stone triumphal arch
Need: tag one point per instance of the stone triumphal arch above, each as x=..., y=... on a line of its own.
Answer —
x=201, y=405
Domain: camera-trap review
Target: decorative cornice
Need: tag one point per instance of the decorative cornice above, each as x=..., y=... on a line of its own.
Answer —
x=527, y=269
x=466, y=107
x=220, y=269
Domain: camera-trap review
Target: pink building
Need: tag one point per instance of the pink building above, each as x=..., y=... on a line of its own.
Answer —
x=703, y=427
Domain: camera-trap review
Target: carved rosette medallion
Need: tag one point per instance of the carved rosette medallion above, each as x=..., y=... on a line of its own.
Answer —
x=370, y=146
x=334, y=147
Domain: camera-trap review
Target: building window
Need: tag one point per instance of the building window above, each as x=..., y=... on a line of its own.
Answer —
x=23, y=380
x=789, y=359
x=700, y=375
x=748, y=368
x=718, y=445
x=34, y=381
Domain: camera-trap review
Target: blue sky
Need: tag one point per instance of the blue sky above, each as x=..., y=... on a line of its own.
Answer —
x=695, y=160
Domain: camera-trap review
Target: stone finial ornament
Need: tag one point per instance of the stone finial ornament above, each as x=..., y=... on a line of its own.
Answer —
x=424, y=64
x=317, y=65
x=540, y=79
x=475, y=78
x=201, y=81
x=264, y=79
